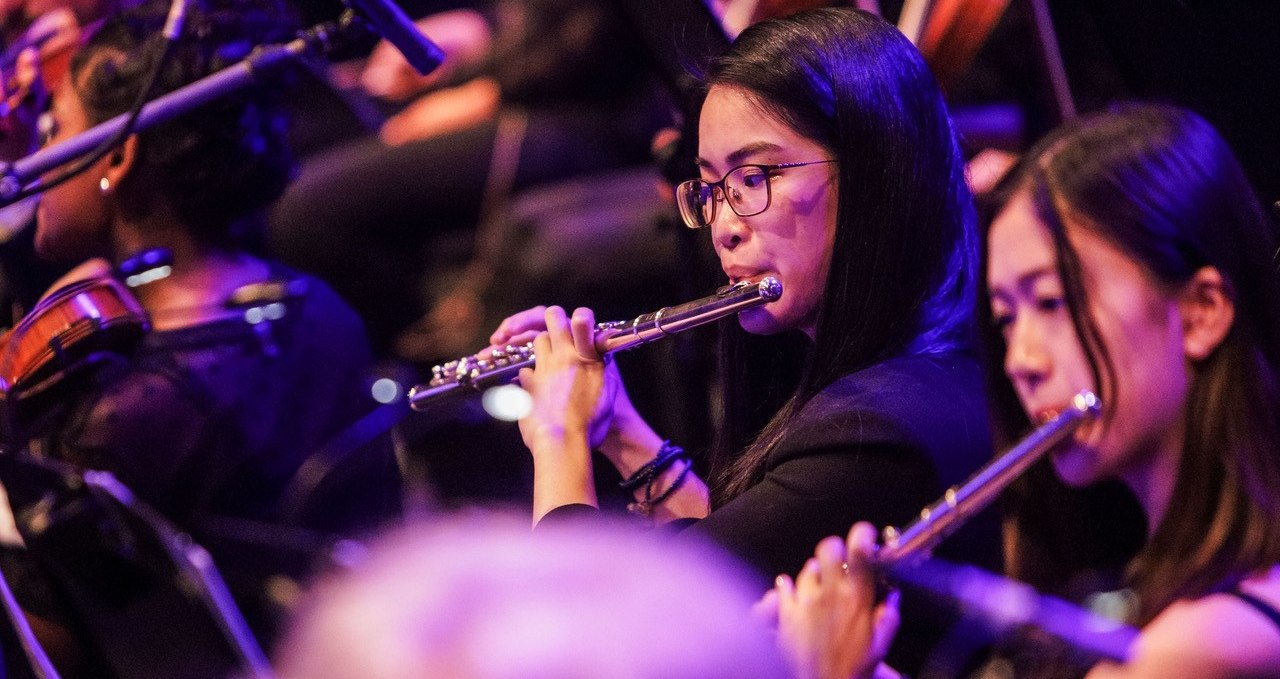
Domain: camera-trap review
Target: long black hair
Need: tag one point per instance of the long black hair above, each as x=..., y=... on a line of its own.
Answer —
x=906, y=245
x=1161, y=185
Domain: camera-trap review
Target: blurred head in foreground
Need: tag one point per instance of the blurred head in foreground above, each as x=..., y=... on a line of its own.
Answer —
x=482, y=598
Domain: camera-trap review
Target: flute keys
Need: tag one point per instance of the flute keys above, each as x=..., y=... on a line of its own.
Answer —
x=889, y=536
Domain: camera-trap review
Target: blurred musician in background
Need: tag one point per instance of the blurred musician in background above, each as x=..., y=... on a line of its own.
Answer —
x=39, y=39
x=828, y=160
x=479, y=597
x=249, y=367
x=1129, y=256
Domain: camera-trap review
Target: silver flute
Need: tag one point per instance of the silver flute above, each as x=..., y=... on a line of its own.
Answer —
x=501, y=366
x=1006, y=605
x=959, y=503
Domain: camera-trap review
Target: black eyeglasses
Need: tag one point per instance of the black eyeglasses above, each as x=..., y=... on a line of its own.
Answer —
x=746, y=188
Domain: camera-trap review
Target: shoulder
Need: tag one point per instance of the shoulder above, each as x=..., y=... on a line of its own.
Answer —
x=1219, y=635
x=905, y=384
x=318, y=322
x=920, y=402
x=331, y=323
x=319, y=303
x=136, y=404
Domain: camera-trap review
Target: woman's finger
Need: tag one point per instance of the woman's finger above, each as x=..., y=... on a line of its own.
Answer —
x=786, y=588
x=583, y=327
x=519, y=324
x=861, y=557
x=558, y=329
x=766, y=609
x=808, y=579
x=541, y=346
x=886, y=624
x=831, y=560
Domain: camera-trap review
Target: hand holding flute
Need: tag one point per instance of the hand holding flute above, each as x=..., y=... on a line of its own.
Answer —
x=580, y=404
x=830, y=624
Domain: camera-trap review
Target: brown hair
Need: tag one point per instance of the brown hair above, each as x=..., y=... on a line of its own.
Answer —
x=1162, y=186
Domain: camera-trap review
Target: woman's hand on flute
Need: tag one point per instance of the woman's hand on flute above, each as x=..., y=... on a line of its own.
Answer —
x=628, y=441
x=571, y=384
x=572, y=390
x=829, y=623
x=519, y=328
x=579, y=403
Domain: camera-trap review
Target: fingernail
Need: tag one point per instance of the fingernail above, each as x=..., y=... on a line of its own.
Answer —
x=831, y=547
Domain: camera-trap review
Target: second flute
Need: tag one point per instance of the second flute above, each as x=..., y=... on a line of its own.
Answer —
x=959, y=503
x=500, y=366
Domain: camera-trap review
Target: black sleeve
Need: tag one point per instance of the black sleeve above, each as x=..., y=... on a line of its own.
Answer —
x=850, y=466
x=567, y=514
x=148, y=432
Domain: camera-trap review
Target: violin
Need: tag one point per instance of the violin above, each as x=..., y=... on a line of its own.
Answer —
x=66, y=330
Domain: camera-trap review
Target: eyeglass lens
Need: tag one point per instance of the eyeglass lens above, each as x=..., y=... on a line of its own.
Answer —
x=746, y=189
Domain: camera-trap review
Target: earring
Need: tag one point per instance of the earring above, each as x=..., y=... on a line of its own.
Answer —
x=104, y=185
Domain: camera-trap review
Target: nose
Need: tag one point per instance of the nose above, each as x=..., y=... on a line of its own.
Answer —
x=1026, y=360
x=728, y=230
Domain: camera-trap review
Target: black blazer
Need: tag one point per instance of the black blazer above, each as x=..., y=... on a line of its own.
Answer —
x=877, y=445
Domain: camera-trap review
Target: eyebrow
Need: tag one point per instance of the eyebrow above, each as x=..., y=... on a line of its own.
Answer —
x=737, y=157
x=1025, y=280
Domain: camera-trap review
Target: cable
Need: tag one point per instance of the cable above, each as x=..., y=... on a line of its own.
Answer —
x=170, y=34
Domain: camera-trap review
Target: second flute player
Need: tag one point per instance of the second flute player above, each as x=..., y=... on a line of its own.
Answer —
x=1128, y=255
x=827, y=160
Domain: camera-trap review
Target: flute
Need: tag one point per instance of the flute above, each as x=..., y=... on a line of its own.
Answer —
x=958, y=503
x=502, y=365
x=1004, y=604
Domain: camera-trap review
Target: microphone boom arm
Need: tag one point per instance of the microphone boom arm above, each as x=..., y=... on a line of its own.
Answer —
x=265, y=60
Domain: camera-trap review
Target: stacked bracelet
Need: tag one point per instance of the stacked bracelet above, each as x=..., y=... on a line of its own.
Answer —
x=651, y=472
x=667, y=456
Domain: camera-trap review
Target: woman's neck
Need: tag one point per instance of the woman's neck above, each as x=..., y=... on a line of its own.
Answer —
x=200, y=282
x=1152, y=480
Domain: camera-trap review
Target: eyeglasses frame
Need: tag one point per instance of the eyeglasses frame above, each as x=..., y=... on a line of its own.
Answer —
x=767, y=168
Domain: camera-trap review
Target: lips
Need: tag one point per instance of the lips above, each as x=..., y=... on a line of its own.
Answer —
x=1045, y=415
x=737, y=275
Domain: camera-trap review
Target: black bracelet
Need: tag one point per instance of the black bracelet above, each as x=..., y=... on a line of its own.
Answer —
x=645, y=507
x=667, y=455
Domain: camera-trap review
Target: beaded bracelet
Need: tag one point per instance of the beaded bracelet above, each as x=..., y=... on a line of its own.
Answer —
x=667, y=456
x=645, y=507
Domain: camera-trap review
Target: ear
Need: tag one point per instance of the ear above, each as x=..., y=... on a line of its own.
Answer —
x=1207, y=312
x=121, y=160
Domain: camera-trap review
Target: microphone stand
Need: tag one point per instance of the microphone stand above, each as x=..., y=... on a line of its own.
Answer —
x=197, y=574
x=265, y=60
x=38, y=665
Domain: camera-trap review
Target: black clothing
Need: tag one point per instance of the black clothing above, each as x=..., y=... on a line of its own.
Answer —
x=877, y=445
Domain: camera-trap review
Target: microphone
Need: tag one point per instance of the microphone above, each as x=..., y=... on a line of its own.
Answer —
x=389, y=21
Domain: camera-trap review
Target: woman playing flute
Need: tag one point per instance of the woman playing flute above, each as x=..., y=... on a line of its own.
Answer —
x=1129, y=256
x=827, y=160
